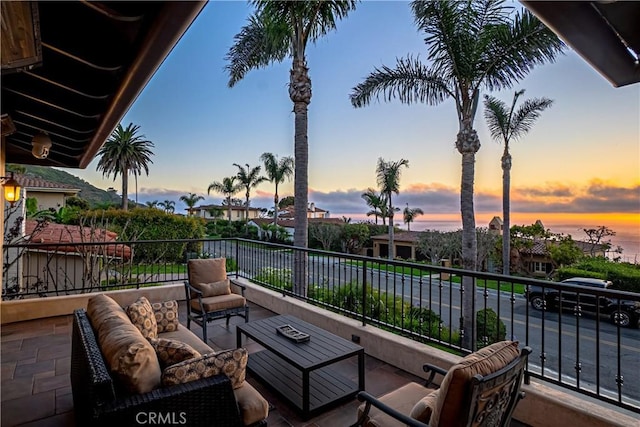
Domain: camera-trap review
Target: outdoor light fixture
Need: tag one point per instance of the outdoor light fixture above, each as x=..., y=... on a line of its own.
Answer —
x=41, y=145
x=11, y=189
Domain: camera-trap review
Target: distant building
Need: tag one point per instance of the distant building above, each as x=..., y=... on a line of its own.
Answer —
x=237, y=212
x=405, y=245
x=289, y=224
x=312, y=212
x=496, y=225
x=49, y=194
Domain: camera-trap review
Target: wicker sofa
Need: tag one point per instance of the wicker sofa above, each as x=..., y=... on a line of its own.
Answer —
x=101, y=398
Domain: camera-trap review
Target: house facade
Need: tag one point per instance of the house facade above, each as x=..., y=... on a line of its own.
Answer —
x=237, y=212
x=313, y=212
x=405, y=245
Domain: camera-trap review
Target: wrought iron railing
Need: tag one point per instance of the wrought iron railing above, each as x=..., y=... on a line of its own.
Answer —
x=586, y=347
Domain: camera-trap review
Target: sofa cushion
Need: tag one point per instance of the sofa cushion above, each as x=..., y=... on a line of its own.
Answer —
x=402, y=399
x=129, y=356
x=142, y=317
x=455, y=385
x=186, y=336
x=231, y=363
x=221, y=302
x=253, y=407
x=166, y=314
x=202, y=271
x=170, y=352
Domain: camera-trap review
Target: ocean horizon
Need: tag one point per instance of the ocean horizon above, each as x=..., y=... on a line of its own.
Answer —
x=627, y=236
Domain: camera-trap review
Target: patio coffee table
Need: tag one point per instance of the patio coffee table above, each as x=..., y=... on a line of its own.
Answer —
x=300, y=371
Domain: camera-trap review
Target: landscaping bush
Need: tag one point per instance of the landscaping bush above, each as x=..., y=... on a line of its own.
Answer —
x=489, y=328
x=624, y=276
x=279, y=278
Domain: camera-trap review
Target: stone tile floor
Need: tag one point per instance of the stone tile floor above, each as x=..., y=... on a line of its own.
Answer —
x=35, y=390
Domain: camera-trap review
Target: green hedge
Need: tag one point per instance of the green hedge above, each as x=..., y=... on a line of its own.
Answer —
x=150, y=224
x=624, y=276
x=489, y=328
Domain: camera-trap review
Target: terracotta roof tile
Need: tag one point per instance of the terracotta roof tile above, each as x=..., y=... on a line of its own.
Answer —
x=27, y=181
x=60, y=234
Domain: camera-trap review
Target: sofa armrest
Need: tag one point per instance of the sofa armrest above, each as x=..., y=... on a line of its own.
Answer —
x=370, y=401
x=196, y=403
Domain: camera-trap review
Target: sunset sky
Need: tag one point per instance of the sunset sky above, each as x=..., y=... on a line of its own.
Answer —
x=579, y=165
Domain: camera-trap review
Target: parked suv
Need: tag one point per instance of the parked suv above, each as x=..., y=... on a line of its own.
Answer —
x=626, y=313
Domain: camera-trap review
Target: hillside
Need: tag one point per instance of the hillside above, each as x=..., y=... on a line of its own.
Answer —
x=92, y=194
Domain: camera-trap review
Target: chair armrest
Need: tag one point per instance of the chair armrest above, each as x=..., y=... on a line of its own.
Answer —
x=238, y=285
x=194, y=290
x=369, y=400
x=432, y=370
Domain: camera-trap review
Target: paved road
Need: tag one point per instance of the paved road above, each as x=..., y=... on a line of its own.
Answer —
x=567, y=342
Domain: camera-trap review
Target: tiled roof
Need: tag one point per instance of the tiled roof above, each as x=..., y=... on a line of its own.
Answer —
x=27, y=181
x=290, y=223
x=60, y=234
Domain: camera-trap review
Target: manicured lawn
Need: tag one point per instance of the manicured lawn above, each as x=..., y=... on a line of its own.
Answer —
x=492, y=284
x=158, y=268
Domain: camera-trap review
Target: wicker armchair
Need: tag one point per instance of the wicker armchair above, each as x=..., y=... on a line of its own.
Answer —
x=483, y=389
x=99, y=401
x=211, y=295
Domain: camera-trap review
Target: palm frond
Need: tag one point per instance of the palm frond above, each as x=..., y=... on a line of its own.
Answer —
x=411, y=81
x=259, y=43
x=527, y=115
x=497, y=118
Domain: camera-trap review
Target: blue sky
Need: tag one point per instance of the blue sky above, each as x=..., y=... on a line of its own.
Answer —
x=581, y=158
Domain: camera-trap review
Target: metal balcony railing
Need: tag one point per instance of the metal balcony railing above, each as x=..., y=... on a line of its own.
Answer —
x=583, y=338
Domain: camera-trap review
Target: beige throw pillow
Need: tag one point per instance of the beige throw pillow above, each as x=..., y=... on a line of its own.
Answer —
x=141, y=315
x=214, y=289
x=166, y=314
x=232, y=363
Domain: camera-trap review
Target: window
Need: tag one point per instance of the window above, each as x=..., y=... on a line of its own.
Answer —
x=539, y=267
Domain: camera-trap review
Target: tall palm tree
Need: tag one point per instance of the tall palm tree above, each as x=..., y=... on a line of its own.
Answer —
x=280, y=30
x=228, y=188
x=277, y=172
x=506, y=124
x=123, y=153
x=378, y=204
x=471, y=46
x=388, y=179
x=249, y=178
x=169, y=206
x=410, y=215
x=190, y=200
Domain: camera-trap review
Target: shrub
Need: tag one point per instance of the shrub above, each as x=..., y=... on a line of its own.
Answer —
x=489, y=328
x=279, y=278
x=624, y=276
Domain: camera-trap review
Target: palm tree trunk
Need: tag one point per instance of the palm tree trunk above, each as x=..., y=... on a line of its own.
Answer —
x=229, y=208
x=468, y=144
x=390, y=228
x=125, y=189
x=275, y=207
x=246, y=208
x=300, y=94
x=506, y=200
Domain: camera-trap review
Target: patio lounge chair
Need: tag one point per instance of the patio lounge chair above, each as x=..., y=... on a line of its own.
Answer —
x=211, y=294
x=482, y=389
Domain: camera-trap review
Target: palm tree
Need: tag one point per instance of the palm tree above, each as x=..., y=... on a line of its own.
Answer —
x=152, y=204
x=277, y=171
x=249, y=178
x=388, y=178
x=506, y=124
x=410, y=215
x=190, y=200
x=472, y=46
x=228, y=188
x=169, y=206
x=378, y=204
x=279, y=30
x=123, y=153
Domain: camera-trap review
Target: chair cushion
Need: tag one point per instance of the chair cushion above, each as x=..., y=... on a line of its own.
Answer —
x=166, y=314
x=209, y=270
x=455, y=385
x=232, y=363
x=253, y=407
x=129, y=356
x=142, y=317
x=170, y=352
x=221, y=302
x=424, y=408
x=402, y=399
x=214, y=289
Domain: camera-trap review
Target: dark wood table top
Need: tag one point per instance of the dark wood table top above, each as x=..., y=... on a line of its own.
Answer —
x=323, y=347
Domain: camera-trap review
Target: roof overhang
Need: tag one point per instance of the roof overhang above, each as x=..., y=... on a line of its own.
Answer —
x=95, y=59
x=605, y=33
